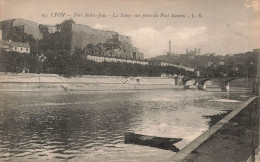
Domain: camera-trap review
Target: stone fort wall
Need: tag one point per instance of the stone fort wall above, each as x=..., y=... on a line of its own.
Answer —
x=28, y=27
x=7, y=29
x=82, y=35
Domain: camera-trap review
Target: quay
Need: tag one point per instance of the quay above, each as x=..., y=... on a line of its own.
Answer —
x=234, y=138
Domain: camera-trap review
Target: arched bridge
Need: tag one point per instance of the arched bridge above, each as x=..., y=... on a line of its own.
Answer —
x=200, y=82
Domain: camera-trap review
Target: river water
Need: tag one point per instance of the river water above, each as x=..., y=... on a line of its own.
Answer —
x=90, y=125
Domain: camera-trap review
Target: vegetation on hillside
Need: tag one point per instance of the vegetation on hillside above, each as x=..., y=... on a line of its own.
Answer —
x=68, y=65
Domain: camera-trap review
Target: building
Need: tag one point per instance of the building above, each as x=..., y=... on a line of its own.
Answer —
x=20, y=27
x=108, y=41
x=163, y=63
x=193, y=52
x=52, y=29
x=221, y=63
x=112, y=59
x=15, y=46
x=209, y=64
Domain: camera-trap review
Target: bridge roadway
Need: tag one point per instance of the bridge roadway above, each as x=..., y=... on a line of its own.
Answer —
x=200, y=82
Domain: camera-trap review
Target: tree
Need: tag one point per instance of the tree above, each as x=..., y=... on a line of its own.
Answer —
x=43, y=29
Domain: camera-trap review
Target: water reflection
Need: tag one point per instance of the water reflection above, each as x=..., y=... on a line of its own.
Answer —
x=90, y=125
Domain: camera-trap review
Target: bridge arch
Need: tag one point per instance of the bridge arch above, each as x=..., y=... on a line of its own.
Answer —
x=201, y=83
x=185, y=82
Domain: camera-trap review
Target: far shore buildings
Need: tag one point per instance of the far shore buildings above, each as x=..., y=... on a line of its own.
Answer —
x=164, y=63
x=113, y=59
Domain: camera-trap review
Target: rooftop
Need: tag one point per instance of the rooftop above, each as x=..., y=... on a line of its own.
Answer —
x=17, y=44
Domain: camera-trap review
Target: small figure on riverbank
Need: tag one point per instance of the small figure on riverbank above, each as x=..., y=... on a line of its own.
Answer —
x=137, y=81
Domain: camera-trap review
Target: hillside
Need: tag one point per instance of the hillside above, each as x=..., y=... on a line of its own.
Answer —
x=189, y=60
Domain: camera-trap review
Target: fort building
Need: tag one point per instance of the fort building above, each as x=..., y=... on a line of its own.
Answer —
x=110, y=43
x=21, y=27
x=77, y=36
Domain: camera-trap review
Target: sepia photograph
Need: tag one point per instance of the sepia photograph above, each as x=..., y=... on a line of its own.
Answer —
x=129, y=80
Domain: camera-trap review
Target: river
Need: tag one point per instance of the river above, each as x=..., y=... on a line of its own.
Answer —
x=90, y=125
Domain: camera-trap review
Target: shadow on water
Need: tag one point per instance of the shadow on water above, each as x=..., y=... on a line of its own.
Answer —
x=215, y=118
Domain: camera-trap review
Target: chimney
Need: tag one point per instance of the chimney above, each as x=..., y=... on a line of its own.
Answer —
x=169, y=47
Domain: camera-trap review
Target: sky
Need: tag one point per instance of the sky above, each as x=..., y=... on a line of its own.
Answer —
x=219, y=26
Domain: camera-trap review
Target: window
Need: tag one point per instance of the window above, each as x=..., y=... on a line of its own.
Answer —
x=21, y=48
x=93, y=35
x=15, y=48
x=27, y=49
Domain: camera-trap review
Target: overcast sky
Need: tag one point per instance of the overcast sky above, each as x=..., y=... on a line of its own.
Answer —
x=226, y=26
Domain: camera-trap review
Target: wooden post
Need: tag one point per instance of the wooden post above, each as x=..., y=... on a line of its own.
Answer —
x=256, y=92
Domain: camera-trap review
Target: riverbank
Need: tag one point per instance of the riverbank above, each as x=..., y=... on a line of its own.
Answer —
x=54, y=82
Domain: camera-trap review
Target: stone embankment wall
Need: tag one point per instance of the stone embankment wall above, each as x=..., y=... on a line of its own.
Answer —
x=36, y=82
x=95, y=79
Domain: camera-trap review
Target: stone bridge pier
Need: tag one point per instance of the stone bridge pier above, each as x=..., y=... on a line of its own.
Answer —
x=224, y=86
x=201, y=86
